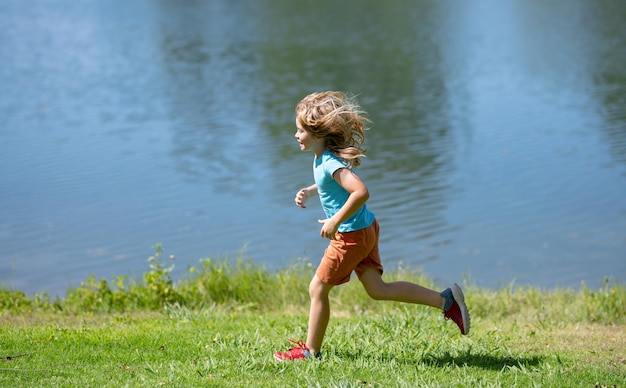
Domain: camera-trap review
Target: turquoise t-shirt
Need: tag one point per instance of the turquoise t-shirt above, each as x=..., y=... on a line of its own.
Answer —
x=333, y=196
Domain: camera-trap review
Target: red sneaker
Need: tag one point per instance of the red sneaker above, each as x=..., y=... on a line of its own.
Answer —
x=457, y=311
x=299, y=352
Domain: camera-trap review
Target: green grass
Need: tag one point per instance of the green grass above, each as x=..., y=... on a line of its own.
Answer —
x=221, y=325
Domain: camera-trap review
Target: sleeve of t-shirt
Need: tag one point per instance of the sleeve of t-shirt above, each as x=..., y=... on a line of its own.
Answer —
x=332, y=165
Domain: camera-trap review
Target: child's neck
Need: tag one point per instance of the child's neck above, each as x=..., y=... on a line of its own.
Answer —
x=319, y=152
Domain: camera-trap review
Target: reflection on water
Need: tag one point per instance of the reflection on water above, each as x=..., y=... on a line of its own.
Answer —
x=497, y=146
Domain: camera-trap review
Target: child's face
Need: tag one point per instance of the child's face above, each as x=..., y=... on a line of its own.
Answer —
x=308, y=142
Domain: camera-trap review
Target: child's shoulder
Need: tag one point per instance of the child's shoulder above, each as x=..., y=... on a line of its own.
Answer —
x=328, y=157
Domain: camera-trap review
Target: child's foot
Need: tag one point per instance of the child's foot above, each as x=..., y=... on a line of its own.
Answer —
x=455, y=308
x=298, y=352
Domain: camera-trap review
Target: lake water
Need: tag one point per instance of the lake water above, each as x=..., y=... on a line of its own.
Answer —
x=497, y=149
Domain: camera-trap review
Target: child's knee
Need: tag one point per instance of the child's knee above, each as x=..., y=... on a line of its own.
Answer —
x=317, y=288
x=375, y=289
x=375, y=293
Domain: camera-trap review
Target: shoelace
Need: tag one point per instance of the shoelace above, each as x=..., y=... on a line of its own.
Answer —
x=299, y=344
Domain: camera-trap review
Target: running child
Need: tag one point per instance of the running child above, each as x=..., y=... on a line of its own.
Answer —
x=332, y=125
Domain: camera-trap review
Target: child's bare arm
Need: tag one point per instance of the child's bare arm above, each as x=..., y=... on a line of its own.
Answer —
x=305, y=194
x=358, y=196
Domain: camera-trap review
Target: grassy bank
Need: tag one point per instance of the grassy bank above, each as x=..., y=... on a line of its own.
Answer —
x=220, y=325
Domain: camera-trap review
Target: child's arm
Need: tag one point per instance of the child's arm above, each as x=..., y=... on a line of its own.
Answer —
x=305, y=194
x=358, y=196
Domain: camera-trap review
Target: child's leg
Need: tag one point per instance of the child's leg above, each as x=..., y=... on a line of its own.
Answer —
x=399, y=291
x=319, y=314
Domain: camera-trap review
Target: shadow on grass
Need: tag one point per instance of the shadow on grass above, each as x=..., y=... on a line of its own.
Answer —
x=477, y=360
x=484, y=361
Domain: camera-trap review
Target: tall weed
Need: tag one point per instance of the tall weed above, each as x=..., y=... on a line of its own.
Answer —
x=242, y=284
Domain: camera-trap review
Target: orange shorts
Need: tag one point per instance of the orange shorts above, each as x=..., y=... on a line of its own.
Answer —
x=352, y=251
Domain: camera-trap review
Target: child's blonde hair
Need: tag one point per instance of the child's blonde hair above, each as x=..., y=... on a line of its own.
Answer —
x=338, y=120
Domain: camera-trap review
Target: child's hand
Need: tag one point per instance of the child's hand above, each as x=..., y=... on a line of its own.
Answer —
x=329, y=229
x=302, y=197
